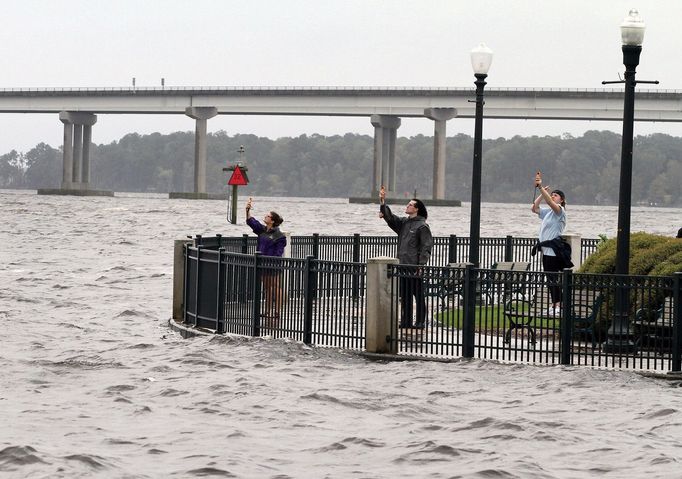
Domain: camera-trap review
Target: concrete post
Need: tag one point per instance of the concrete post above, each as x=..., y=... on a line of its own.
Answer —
x=77, y=155
x=200, y=114
x=378, y=328
x=178, y=277
x=440, y=116
x=575, y=241
x=67, y=155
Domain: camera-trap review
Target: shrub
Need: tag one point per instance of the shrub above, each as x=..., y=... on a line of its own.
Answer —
x=650, y=255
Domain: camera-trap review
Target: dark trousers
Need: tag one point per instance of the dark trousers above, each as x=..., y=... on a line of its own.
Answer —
x=553, y=264
x=412, y=287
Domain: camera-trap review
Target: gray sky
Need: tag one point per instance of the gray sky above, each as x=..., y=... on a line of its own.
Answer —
x=537, y=43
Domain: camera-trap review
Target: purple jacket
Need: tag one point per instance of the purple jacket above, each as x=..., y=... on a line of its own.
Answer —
x=270, y=242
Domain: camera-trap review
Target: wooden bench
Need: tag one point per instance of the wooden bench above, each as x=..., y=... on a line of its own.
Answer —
x=452, y=284
x=523, y=314
x=653, y=327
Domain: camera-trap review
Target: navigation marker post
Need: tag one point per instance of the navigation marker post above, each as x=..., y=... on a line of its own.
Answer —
x=238, y=178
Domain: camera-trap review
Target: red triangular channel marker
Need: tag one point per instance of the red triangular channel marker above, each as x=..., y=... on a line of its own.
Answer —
x=237, y=178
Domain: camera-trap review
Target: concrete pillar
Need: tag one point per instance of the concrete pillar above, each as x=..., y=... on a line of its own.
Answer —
x=378, y=149
x=385, y=159
x=76, y=149
x=440, y=116
x=392, y=134
x=385, y=133
x=576, y=243
x=85, y=164
x=67, y=155
x=200, y=115
x=378, y=326
x=77, y=155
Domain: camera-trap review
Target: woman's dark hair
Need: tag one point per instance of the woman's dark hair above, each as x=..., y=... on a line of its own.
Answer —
x=563, y=197
x=276, y=219
x=421, y=208
x=679, y=233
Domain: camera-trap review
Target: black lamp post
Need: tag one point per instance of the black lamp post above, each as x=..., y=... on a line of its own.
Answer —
x=632, y=34
x=481, y=58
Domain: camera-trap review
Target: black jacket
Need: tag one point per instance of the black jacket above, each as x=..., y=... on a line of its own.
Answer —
x=561, y=248
x=414, y=237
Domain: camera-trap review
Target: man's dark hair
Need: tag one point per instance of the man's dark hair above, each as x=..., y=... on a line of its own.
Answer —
x=679, y=233
x=421, y=208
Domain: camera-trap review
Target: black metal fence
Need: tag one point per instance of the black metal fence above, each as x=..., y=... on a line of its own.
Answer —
x=508, y=316
x=470, y=312
x=357, y=248
x=313, y=301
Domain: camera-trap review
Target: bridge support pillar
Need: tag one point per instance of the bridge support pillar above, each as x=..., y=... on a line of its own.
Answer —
x=440, y=116
x=76, y=156
x=200, y=114
x=385, y=133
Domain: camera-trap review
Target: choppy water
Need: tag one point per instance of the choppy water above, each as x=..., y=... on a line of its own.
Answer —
x=95, y=385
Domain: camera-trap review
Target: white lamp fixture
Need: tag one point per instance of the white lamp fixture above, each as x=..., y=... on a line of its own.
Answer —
x=632, y=29
x=481, y=58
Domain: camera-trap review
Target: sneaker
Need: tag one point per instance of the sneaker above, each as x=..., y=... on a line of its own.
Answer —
x=550, y=311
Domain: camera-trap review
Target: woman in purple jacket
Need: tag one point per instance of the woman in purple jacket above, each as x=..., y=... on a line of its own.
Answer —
x=271, y=242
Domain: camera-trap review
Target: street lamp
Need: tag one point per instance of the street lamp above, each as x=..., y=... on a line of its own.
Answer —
x=632, y=35
x=481, y=58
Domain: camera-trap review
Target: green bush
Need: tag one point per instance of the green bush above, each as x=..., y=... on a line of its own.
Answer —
x=649, y=255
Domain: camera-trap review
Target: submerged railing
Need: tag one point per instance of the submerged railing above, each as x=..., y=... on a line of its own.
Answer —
x=471, y=312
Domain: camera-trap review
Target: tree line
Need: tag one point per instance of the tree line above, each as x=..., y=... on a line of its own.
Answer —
x=587, y=168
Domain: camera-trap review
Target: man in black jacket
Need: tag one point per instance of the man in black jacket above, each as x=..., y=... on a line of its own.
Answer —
x=414, y=248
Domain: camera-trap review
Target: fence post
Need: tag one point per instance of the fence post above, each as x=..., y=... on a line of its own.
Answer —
x=378, y=329
x=245, y=243
x=255, y=329
x=452, y=249
x=179, y=275
x=566, y=316
x=469, y=326
x=355, y=281
x=508, y=250
x=220, y=292
x=316, y=245
x=677, y=328
x=308, y=296
x=197, y=285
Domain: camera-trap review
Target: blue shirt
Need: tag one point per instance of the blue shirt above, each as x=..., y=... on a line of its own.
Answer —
x=552, y=226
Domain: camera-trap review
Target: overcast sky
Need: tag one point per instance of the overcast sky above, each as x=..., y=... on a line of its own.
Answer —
x=419, y=43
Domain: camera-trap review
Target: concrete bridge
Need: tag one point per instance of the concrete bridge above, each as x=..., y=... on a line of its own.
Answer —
x=78, y=109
